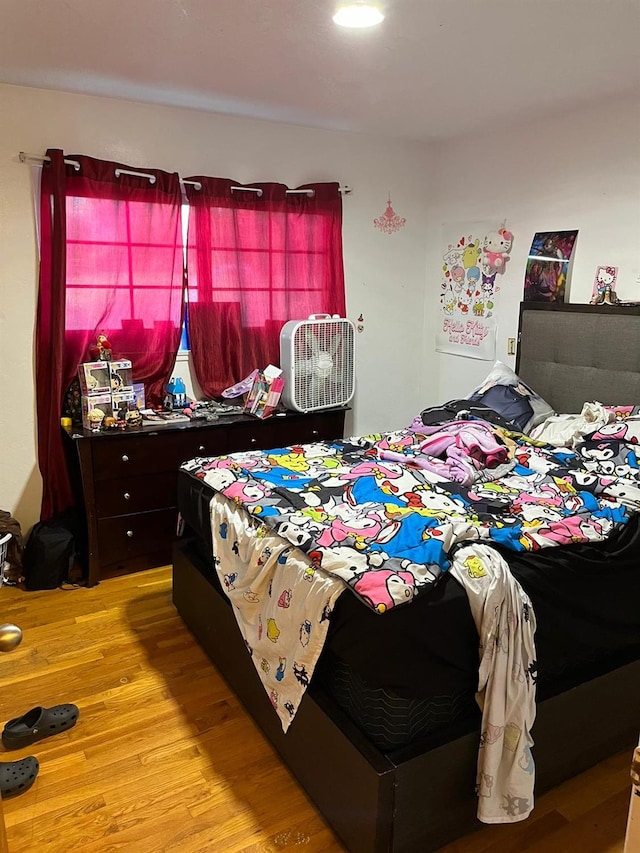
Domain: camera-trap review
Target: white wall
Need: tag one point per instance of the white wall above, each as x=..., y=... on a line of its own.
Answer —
x=384, y=274
x=580, y=170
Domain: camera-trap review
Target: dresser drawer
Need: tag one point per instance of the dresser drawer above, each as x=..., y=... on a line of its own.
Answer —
x=136, y=494
x=260, y=435
x=128, y=536
x=212, y=441
x=135, y=456
x=127, y=481
x=310, y=428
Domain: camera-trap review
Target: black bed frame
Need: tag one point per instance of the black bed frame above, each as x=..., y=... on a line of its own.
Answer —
x=373, y=803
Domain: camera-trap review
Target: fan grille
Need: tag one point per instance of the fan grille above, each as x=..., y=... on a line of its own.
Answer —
x=324, y=364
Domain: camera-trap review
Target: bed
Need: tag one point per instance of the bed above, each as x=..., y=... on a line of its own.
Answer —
x=389, y=756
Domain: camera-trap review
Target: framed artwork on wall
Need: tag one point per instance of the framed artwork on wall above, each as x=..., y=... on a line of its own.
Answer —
x=547, y=273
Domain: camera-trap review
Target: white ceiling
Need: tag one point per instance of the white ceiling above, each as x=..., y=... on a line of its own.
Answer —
x=432, y=69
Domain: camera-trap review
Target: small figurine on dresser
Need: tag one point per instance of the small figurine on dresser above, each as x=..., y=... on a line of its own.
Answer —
x=133, y=418
x=102, y=349
x=94, y=419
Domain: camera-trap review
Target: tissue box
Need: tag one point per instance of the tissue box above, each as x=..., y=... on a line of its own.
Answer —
x=94, y=378
x=121, y=376
x=95, y=409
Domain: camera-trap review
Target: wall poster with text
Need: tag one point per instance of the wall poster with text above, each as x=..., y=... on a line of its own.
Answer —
x=473, y=257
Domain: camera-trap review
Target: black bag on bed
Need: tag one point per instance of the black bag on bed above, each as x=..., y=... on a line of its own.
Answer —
x=463, y=410
x=50, y=553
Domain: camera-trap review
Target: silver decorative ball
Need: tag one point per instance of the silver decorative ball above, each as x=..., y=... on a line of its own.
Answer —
x=10, y=637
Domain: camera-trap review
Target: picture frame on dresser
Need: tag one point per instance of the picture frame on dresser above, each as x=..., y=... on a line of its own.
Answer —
x=125, y=482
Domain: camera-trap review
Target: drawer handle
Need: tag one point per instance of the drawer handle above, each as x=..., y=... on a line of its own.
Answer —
x=130, y=534
x=254, y=441
x=201, y=449
x=125, y=458
x=127, y=496
x=315, y=433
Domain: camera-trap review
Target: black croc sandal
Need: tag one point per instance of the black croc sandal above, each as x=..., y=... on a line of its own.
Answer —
x=16, y=777
x=37, y=724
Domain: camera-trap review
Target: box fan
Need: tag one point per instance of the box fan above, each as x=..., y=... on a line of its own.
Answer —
x=317, y=361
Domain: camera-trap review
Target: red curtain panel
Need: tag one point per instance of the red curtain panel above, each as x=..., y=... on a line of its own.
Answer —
x=111, y=263
x=256, y=260
x=49, y=344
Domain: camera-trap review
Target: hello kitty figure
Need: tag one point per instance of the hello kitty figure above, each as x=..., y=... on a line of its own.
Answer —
x=604, y=286
x=495, y=250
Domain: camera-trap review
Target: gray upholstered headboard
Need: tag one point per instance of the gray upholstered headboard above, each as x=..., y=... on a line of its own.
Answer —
x=573, y=353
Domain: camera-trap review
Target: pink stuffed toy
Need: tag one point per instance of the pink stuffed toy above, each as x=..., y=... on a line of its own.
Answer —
x=495, y=250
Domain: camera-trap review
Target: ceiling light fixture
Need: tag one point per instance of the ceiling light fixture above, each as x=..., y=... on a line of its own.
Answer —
x=358, y=15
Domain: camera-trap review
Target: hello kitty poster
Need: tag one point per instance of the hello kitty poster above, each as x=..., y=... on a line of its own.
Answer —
x=474, y=256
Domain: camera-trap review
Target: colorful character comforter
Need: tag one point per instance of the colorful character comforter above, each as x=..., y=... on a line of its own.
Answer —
x=387, y=515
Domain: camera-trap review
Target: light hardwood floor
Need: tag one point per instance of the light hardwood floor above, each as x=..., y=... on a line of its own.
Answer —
x=165, y=759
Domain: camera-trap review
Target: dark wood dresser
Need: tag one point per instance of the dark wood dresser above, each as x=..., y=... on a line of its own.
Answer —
x=126, y=482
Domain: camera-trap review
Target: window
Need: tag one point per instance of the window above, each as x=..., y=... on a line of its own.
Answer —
x=257, y=257
x=120, y=271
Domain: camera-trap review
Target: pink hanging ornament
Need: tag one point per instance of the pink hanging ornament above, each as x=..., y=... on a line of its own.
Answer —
x=389, y=222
